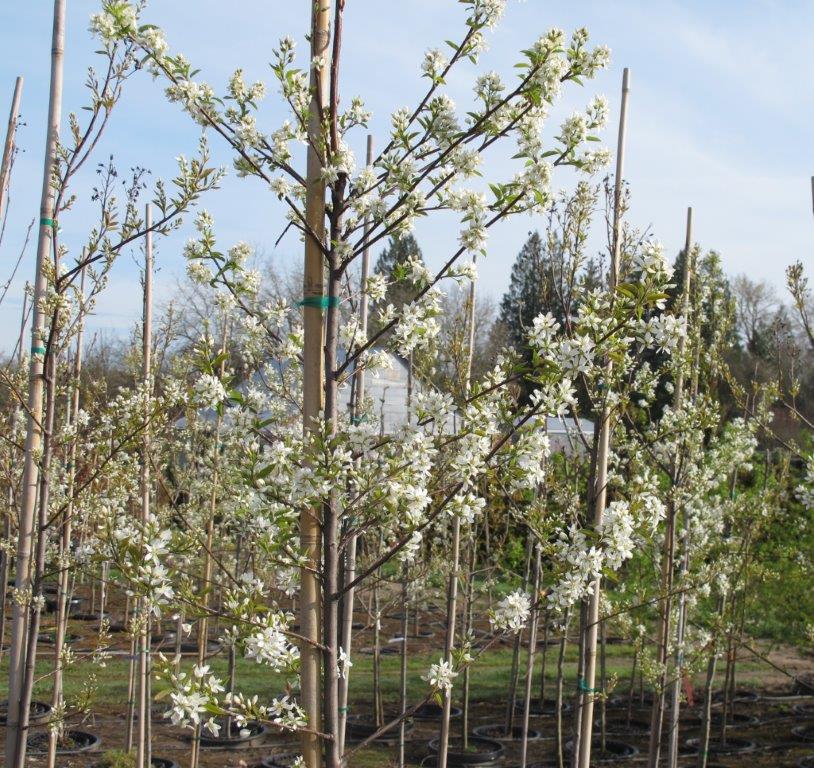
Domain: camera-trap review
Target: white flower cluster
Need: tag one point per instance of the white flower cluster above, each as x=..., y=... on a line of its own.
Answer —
x=583, y=562
x=269, y=645
x=652, y=262
x=805, y=491
x=418, y=324
x=511, y=613
x=190, y=696
x=209, y=391
x=441, y=675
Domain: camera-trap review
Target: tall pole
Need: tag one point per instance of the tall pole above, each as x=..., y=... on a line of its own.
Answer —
x=313, y=393
x=350, y=552
x=685, y=558
x=142, y=745
x=36, y=383
x=599, y=494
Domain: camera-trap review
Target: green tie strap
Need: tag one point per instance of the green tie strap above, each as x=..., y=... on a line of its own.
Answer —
x=583, y=688
x=319, y=302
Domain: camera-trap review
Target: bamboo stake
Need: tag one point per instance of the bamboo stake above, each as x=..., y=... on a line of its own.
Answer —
x=350, y=552
x=57, y=698
x=452, y=588
x=313, y=288
x=35, y=390
x=601, y=478
x=38, y=569
x=672, y=760
x=142, y=743
x=8, y=147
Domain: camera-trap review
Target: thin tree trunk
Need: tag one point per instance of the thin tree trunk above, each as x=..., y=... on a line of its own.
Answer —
x=331, y=517
x=518, y=638
x=580, y=697
x=599, y=494
x=378, y=715
x=203, y=623
x=668, y=556
x=535, y=613
x=405, y=572
x=142, y=742
x=631, y=689
x=5, y=555
x=560, y=678
x=350, y=551
x=39, y=562
x=603, y=676
x=467, y=627
x=28, y=501
x=452, y=588
x=543, y=662
x=706, y=717
x=8, y=146
x=449, y=640
x=685, y=538
x=63, y=583
x=313, y=377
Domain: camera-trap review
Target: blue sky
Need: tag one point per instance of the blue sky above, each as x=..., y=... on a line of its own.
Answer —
x=720, y=118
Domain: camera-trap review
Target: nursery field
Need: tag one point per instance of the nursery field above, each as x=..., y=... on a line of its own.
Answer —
x=765, y=713
x=321, y=499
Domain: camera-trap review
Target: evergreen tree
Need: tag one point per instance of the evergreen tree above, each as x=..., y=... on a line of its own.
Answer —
x=531, y=290
x=392, y=263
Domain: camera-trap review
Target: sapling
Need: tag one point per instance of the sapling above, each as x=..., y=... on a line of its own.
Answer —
x=15, y=736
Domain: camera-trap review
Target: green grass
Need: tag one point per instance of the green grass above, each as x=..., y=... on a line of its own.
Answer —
x=489, y=675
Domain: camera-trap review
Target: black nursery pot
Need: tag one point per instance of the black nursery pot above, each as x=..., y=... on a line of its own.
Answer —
x=741, y=695
x=361, y=727
x=255, y=736
x=480, y=751
x=733, y=720
x=49, y=638
x=804, y=732
x=431, y=711
x=163, y=762
x=497, y=732
x=285, y=760
x=548, y=707
x=803, y=686
x=614, y=750
x=73, y=743
x=733, y=746
x=39, y=712
x=384, y=650
x=51, y=605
